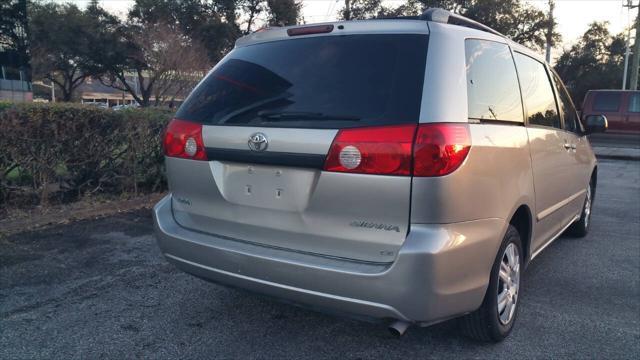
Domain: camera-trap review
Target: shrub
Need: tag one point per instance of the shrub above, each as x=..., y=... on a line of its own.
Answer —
x=59, y=152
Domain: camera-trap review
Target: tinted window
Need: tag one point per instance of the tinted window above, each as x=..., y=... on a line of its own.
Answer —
x=566, y=106
x=492, y=83
x=319, y=82
x=537, y=92
x=634, y=102
x=607, y=101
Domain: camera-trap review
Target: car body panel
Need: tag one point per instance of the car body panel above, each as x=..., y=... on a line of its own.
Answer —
x=553, y=169
x=431, y=278
x=315, y=212
x=496, y=149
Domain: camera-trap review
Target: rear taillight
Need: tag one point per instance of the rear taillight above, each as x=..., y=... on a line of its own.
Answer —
x=384, y=150
x=183, y=139
x=433, y=150
x=440, y=148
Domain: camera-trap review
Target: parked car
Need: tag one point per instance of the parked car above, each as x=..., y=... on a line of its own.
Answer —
x=621, y=107
x=125, y=106
x=399, y=170
x=97, y=104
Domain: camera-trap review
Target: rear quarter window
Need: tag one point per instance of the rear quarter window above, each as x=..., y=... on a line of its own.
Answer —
x=316, y=82
x=492, y=82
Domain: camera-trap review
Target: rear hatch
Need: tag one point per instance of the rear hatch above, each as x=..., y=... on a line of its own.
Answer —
x=269, y=114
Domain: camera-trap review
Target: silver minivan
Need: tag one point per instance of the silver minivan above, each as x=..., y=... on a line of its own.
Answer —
x=404, y=170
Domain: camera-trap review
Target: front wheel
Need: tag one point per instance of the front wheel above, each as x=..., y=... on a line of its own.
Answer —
x=494, y=319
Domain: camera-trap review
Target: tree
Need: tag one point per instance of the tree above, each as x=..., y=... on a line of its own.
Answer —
x=594, y=62
x=163, y=44
x=368, y=9
x=212, y=24
x=283, y=12
x=157, y=53
x=520, y=22
x=61, y=38
x=513, y=18
x=154, y=61
x=252, y=9
x=14, y=29
x=278, y=13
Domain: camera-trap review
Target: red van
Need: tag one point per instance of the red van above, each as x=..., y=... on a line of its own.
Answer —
x=621, y=107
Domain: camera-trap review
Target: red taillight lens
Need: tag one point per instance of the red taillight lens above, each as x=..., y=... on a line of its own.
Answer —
x=440, y=148
x=384, y=150
x=183, y=139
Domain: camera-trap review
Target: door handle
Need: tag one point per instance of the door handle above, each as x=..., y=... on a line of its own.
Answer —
x=567, y=146
x=573, y=147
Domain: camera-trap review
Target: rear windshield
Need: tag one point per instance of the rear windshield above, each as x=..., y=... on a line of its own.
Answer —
x=318, y=82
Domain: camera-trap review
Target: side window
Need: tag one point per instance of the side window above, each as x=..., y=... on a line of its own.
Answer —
x=492, y=82
x=571, y=122
x=634, y=102
x=537, y=92
x=607, y=101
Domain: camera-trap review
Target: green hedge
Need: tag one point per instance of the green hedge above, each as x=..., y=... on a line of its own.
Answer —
x=56, y=153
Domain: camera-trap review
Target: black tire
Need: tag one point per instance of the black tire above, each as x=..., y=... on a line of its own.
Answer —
x=581, y=227
x=484, y=324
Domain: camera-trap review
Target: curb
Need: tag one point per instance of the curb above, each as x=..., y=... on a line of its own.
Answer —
x=618, y=157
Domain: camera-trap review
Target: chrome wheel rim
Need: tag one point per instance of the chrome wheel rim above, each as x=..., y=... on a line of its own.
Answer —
x=587, y=207
x=508, y=283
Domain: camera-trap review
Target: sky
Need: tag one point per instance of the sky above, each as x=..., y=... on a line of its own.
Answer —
x=573, y=16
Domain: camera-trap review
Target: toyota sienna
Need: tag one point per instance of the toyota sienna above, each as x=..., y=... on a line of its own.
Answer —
x=405, y=170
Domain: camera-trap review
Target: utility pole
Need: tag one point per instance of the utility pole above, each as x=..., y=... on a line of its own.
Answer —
x=636, y=56
x=347, y=9
x=626, y=60
x=550, y=27
x=636, y=51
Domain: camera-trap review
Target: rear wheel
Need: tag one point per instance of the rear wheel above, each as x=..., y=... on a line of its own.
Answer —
x=494, y=319
x=581, y=227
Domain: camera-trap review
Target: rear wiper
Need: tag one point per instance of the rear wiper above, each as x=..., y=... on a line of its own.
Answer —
x=303, y=115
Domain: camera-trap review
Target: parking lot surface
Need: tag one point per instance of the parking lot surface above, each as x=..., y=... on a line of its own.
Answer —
x=101, y=289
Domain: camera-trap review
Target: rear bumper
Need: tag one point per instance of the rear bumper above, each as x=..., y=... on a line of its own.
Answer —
x=441, y=270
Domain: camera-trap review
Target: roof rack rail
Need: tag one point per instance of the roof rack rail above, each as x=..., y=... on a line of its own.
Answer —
x=394, y=17
x=447, y=17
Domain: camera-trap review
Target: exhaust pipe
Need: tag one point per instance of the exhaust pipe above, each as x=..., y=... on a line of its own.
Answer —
x=398, y=327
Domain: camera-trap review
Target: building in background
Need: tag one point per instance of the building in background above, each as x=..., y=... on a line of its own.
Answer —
x=15, y=71
x=93, y=91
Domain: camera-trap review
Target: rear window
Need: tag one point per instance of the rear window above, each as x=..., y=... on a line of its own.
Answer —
x=607, y=101
x=319, y=82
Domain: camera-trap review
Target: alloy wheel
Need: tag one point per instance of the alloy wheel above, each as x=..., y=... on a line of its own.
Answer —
x=508, y=283
x=587, y=208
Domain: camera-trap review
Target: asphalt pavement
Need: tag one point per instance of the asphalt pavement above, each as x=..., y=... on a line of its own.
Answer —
x=101, y=289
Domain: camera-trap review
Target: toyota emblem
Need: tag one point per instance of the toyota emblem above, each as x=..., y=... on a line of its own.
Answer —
x=258, y=142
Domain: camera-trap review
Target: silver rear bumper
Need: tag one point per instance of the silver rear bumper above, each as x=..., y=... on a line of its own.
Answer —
x=441, y=270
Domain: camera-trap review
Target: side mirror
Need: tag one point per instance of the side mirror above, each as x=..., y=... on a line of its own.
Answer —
x=596, y=124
